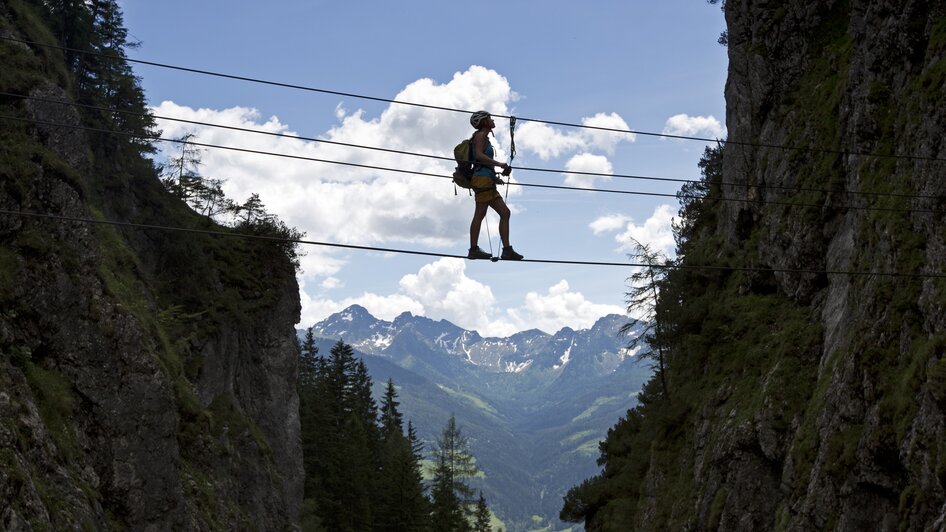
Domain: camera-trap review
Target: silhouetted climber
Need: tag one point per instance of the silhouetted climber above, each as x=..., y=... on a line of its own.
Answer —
x=484, y=183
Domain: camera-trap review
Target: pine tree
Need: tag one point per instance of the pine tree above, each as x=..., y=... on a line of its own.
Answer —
x=182, y=173
x=333, y=462
x=417, y=446
x=642, y=299
x=451, y=494
x=312, y=414
x=105, y=79
x=446, y=508
x=481, y=516
x=70, y=22
x=309, y=360
x=351, y=457
x=357, y=479
x=402, y=505
x=391, y=419
x=250, y=212
x=363, y=405
x=313, y=418
x=96, y=38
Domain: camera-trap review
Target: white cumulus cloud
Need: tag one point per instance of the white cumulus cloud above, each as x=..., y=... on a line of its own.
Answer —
x=587, y=162
x=610, y=222
x=656, y=231
x=606, y=140
x=690, y=126
x=447, y=293
x=330, y=283
x=550, y=142
x=545, y=141
x=559, y=307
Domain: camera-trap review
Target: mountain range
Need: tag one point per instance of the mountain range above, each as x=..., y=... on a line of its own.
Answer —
x=534, y=405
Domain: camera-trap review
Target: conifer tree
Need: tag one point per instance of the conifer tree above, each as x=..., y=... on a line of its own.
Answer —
x=182, y=173
x=642, y=299
x=334, y=437
x=351, y=457
x=356, y=478
x=362, y=472
x=447, y=511
x=250, y=212
x=417, y=446
x=309, y=360
x=391, y=419
x=94, y=33
x=402, y=505
x=313, y=418
x=451, y=493
x=363, y=405
x=481, y=516
x=307, y=388
x=70, y=22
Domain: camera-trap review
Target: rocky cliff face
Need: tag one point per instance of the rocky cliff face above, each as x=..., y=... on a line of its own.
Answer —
x=806, y=384
x=865, y=450
x=146, y=377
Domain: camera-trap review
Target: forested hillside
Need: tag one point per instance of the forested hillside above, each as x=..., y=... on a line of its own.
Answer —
x=803, y=321
x=533, y=405
x=146, y=376
x=364, y=461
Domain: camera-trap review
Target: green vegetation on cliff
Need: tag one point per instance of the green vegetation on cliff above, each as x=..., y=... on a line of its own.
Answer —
x=159, y=364
x=801, y=400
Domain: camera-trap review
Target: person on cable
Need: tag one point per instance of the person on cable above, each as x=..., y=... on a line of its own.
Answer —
x=484, y=183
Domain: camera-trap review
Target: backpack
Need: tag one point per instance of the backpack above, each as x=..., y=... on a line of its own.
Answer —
x=464, y=153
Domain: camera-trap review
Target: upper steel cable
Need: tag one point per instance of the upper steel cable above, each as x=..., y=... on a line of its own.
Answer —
x=429, y=174
x=465, y=111
x=440, y=157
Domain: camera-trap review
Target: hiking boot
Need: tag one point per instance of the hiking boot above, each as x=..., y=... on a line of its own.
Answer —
x=477, y=253
x=509, y=254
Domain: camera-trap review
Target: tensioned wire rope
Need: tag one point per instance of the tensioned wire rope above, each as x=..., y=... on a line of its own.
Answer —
x=299, y=241
x=451, y=159
x=429, y=174
x=443, y=108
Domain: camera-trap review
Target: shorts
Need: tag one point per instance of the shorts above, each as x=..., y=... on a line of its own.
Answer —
x=485, y=188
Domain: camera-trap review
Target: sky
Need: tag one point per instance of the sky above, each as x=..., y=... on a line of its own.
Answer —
x=629, y=64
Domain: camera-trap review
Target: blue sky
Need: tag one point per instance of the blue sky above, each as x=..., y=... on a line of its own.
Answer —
x=643, y=65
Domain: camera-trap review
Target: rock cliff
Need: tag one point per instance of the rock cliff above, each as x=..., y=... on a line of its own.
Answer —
x=146, y=376
x=806, y=393
x=862, y=81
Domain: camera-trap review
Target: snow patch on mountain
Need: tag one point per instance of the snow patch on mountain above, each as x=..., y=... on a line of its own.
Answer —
x=382, y=341
x=565, y=357
x=513, y=367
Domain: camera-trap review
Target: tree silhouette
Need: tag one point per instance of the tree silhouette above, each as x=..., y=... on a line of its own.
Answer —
x=642, y=299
